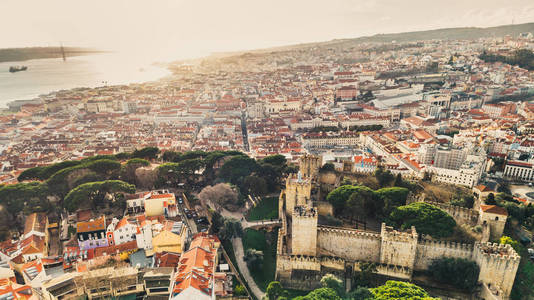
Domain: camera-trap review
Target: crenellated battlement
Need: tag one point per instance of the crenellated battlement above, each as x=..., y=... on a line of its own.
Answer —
x=309, y=165
x=445, y=244
x=304, y=212
x=348, y=232
x=280, y=242
x=296, y=179
x=460, y=214
x=497, y=251
x=301, y=259
x=394, y=271
x=303, y=247
x=392, y=235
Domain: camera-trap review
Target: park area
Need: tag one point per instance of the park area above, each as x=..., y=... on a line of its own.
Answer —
x=266, y=209
x=266, y=242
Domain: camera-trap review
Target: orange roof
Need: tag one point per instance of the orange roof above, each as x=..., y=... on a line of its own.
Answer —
x=115, y=249
x=161, y=196
x=89, y=226
x=422, y=135
x=123, y=222
x=483, y=188
x=18, y=291
x=35, y=222
x=196, y=265
x=494, y=209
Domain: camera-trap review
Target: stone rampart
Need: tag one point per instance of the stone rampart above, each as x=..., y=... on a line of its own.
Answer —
x=349, y=244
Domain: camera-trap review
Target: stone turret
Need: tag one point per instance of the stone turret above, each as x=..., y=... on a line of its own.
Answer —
x=498, y=265
x=495, y=217
x=297, y=192
x=304, y=224
x=309, y=165
x=398, y=248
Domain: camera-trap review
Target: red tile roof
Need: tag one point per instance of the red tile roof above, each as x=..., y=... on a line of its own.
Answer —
x=494, y=209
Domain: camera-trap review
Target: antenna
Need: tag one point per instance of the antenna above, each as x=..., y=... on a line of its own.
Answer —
x=63, y=52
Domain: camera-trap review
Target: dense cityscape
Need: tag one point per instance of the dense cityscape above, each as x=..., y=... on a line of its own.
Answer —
x=334, y=170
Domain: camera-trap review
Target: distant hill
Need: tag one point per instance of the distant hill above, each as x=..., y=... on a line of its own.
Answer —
x=21, y=54
x=459, y=33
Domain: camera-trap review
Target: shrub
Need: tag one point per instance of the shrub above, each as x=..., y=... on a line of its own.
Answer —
x=427, y=219
x=448, y=270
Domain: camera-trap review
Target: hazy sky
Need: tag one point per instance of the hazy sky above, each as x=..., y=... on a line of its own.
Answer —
x=168, y=28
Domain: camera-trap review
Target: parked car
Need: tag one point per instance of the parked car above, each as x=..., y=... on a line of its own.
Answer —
x=202, y=220
x=531, y=253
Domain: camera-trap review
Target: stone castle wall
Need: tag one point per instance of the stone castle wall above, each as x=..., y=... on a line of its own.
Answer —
x=306, y=250
x=398, y=254
x=324, y=208
x=304, y=223
x=498, y=265
x=460, y=214
x=349, y=244
x=428, y=250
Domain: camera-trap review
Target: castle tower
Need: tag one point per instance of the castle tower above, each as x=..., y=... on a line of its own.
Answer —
x=304, y=231
x=495, y=217
x=309, y=165
x=498, y=265
x=297, y=192
x=398, y=248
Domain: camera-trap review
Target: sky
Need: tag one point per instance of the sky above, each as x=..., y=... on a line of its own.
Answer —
x=179, y=28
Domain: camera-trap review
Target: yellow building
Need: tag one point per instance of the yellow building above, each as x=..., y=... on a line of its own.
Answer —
x=171, y=239
x=161, y=204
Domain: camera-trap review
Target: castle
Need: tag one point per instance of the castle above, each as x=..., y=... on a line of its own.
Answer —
x=307, y=250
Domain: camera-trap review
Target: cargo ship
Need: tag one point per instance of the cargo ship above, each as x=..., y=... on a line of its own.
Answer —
x=14, y=69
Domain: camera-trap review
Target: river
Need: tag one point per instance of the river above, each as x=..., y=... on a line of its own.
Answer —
x=47, y=75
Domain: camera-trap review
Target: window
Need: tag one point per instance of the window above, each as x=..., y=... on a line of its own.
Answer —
x=496, y=218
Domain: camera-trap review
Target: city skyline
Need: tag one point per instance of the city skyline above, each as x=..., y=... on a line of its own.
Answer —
x=179, y=29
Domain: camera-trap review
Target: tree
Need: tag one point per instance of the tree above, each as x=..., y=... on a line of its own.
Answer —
x=31, y=174
x=236, y=168
x=328, y=167
x=254, y=185
x=253, y=258
x=398, y=180
x=427, y=219
x=506, y=240
x=272, y=175
x=170, y=156
x=447, y=270
x=275, y=290
x=94, y=193
x=360, y=293
x=180, y=172
x=399, y=290
x=384, y=177
x=221, y=195
x=230, y=228
x=362, y=201
x=61, y=182
x=31, y=196
x=491, y=199
x=43, y=173
x=239, y=290
x=366, y=274
x=146, y=153
x=123, y=155
x=339, y=196
x=392, y=197
x=320, y=294
x=275, y=160
x=128, y=169
x=334, y=283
